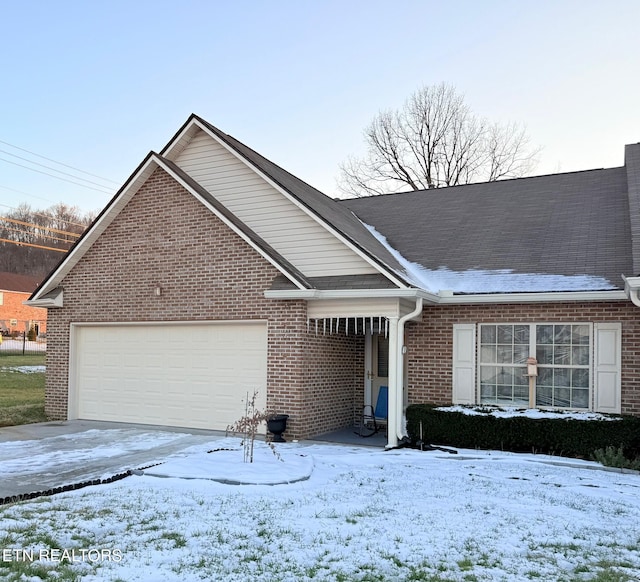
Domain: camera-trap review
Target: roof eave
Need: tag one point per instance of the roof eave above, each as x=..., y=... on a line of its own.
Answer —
x=446, y=298
x=97, y=227
x=54, y=298
x=113, y=208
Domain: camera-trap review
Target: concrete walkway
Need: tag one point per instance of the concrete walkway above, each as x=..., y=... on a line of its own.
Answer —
x=44, y=456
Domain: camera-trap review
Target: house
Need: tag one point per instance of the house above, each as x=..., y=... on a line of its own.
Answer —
x=214, y=275
x=15, y=316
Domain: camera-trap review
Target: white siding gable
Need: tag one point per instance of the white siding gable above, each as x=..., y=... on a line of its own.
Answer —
x=286, y=227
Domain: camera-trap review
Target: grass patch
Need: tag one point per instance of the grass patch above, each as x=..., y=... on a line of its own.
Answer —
x=21, y=395
x=177, y=538
x=610, y=575
x=7, y=361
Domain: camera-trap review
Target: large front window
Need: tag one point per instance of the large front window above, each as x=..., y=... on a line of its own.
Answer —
x=563, y=353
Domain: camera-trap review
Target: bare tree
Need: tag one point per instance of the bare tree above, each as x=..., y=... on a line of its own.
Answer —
x=33, y=241
x=435, y=140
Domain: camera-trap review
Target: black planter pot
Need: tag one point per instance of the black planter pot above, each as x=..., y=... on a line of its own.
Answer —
x=276, y=425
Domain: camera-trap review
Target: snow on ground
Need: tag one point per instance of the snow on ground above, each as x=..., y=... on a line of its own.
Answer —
x=362, y=514
x=269, y=467
x=53, y=454
x=23, y=369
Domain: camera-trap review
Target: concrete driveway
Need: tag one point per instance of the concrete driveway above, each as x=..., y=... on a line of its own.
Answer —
x=36, y=458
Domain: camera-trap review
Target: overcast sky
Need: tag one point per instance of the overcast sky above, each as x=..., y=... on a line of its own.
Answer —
x=97, y=85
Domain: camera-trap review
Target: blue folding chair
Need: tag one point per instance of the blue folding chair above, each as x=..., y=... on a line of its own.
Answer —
x=373, y=419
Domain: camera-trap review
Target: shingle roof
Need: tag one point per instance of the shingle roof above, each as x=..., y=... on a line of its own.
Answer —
x=19, y=283
x=563, y=224
x=560, y=232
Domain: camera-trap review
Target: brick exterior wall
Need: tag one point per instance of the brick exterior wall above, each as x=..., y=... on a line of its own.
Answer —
x=165, y=237
x=430, y=342
x=12, y=308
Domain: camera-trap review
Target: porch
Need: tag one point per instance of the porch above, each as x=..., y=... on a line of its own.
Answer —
x=380, y=324
x=349, y=436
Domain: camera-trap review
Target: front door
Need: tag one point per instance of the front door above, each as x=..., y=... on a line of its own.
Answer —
x=379, y=365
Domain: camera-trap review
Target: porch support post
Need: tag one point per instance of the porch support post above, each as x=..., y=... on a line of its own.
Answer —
x=400, y=401
x=394, y=414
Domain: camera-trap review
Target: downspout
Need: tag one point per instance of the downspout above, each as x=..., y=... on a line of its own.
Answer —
x=397, y=424
x=633, y=295
x=631, y=288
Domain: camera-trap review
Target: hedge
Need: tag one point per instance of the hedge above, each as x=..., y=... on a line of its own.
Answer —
x=557, y=436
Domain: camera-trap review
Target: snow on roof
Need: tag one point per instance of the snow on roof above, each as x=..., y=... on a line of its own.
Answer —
x=491, y=281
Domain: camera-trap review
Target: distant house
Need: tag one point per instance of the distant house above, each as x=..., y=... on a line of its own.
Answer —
x=214, y=274
x=15, y=316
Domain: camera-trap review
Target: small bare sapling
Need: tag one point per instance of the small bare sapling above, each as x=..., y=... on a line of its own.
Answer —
x=249, y=424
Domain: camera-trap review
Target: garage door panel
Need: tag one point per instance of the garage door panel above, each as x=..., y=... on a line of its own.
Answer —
x=179, y=375
x=154, y=390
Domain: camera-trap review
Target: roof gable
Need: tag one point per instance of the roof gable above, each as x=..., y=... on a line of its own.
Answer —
x=296, y=235
x=324, y=213
x=126, y=193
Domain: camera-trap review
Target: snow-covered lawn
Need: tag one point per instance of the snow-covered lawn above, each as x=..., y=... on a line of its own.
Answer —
x=23, y=369
x=348, y=513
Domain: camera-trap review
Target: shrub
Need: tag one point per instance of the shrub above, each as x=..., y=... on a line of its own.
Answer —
x=556, y=436
x=615, y=457
x=31, y=334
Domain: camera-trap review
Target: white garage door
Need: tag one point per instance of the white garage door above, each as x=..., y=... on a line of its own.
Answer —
x=176, y=375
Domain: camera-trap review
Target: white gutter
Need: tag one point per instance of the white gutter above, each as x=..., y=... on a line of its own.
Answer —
x=543, y=297
x=350, y=294
x=397, y=429
x=632, y=289
x=449, y=298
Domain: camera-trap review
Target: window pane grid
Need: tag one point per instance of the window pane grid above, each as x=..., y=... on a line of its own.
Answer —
x=563, y=354
x=562, y=351
x=503, y=354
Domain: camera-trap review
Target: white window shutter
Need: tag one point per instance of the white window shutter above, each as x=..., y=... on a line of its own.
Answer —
x=464, y=363
x=607, y=350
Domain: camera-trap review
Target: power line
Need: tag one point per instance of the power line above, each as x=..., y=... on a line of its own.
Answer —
x=27, y=194
x=50, y=168
x=58, y=177
x=56, y=162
